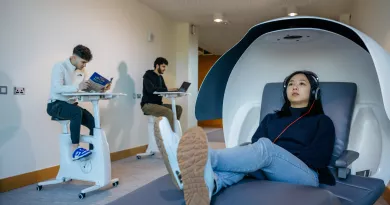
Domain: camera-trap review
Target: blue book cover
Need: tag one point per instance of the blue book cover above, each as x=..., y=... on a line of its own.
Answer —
x=98, y=79
x=98, y=83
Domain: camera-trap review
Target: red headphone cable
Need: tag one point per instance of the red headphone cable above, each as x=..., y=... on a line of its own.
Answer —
x=295, y=121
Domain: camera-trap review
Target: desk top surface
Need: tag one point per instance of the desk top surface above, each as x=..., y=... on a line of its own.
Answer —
x=92, y=94
x=165, y=93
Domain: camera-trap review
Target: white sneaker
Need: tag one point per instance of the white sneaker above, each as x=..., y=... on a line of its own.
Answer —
x=195, y=165
x=167, y=142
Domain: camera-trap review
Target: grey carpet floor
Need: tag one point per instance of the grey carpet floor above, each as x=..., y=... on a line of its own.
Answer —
x=132, y=174
x=215, y=135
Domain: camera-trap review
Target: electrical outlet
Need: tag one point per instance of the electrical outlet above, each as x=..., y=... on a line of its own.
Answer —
x=19, y=91
x=3, y=90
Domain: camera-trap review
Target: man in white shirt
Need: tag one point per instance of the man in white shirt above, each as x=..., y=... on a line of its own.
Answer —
x=69, y=76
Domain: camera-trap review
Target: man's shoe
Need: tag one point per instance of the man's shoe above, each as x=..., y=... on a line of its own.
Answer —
x=80, y=153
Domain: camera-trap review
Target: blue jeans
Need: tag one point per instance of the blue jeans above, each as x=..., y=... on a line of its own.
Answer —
x=232, y=164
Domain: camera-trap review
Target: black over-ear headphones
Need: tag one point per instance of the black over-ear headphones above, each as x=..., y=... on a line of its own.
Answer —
x=315, y=91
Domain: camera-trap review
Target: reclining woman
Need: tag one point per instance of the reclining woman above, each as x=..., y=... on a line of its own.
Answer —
x=293, y=145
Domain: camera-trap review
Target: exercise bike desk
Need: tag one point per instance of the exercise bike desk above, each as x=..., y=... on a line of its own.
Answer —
x=95, y=168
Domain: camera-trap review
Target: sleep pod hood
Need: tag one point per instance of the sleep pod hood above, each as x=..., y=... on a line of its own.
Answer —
x=245, y=84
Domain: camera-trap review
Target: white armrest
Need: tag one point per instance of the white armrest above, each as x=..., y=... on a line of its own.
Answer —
x=245, y=123
x=366, y=139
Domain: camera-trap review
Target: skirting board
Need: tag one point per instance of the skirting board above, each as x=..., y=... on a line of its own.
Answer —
x=26, y=179
x=386, y=194
x=211, y=123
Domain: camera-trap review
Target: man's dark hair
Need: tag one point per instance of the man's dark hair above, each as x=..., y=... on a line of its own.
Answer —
x=159, y=61
x=83, y=52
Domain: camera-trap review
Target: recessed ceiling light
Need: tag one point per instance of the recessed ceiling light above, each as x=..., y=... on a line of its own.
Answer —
x=292, y=14
x=218, y=18
x=292, y=11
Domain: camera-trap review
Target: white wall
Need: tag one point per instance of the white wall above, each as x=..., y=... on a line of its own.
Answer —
x=193, y=69
x=372, y=18
x=332, y=57
x=36, y=34
x=187, y=70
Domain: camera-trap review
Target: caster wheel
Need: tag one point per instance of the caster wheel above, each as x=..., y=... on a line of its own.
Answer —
x=65, y=180
x=179, y=176
x=39, y=187
x=115, y=184
x=138, y=157
x=81, y=196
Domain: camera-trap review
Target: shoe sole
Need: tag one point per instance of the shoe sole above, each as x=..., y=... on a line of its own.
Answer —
x=192, y=155
x=161, y=147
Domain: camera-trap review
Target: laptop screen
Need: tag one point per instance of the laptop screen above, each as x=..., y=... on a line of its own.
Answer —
x=184, y=87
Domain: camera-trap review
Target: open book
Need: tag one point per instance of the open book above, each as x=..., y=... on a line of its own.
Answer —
x=98, y=82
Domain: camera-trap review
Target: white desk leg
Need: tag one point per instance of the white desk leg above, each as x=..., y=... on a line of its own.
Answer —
x=96, y=113
x=174, y=115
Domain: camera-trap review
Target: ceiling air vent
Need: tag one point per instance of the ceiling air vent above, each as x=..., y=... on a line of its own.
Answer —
x=293, y=37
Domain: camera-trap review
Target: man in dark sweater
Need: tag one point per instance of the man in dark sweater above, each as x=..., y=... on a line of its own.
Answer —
x=152, y=104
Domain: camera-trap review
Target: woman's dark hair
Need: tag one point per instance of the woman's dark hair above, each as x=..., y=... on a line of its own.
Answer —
x=314, y=84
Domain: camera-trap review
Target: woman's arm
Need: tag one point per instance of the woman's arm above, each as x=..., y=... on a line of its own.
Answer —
x=319, y=153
